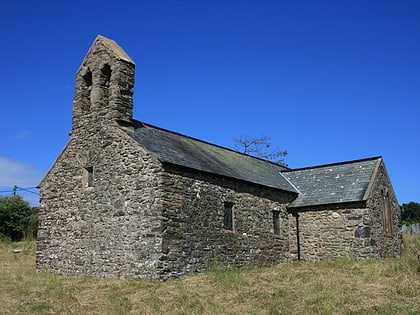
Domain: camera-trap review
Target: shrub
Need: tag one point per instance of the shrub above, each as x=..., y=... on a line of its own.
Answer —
x=410, y=212
x=18, y=220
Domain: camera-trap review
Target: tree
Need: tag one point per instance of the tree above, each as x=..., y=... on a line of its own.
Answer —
x=260, y=147
x=410, y=212
x=18, y=219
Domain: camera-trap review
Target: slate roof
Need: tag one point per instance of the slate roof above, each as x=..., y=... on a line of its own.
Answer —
x=333, y=183
x=178, y=149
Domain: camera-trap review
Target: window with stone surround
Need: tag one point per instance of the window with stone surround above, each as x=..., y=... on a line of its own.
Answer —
x=88, y=177
x=276, y=222
x=228, y=216
x=386, y=213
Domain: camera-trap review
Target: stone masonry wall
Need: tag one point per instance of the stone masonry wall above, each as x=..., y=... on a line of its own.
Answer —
x=385, y=246
x=193, y=216
x=98, y=211
x=109, y=229
x=332, y=234
x=358, y=231
x=108, y=208
x=104, y=84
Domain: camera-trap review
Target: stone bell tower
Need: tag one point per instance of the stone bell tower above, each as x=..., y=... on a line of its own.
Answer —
x=104, y=85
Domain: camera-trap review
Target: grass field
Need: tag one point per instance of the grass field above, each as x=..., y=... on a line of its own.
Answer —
x=346, y=286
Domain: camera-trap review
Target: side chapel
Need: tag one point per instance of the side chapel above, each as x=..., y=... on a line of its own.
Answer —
x=125, y=198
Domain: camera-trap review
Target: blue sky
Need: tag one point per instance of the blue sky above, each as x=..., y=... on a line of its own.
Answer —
x=328, y=81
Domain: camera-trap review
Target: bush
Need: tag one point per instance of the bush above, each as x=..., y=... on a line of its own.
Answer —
x=18, y=220
x=410, y=212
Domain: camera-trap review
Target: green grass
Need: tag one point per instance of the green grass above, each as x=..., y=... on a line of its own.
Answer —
x=346, y=286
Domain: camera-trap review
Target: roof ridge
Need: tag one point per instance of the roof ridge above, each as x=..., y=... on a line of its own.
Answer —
x=334, y=164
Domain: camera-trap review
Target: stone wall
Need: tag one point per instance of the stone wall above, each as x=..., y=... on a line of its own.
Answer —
x=139, y=219
x=193, y=219
x=332, y=234
x=110, y=208
x=98, y=211
x=354, y=229
x=385, y=246
x=104, y=84
x=111, y=228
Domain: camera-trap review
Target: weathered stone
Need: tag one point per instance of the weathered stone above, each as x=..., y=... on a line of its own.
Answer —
x=111, y=208
x=362, y=232
x=358, y=224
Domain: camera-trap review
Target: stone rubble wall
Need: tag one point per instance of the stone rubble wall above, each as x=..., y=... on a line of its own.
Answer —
x=384, y=245
x=193, y=213
x=332, y=234
x=355, y=231
x=111, y=229
x=103, y=90
x=140, y=219
x=110, y=208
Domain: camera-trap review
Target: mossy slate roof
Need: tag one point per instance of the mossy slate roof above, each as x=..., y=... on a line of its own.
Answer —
x=334, y=183
x=344, y=182
x=178, y=149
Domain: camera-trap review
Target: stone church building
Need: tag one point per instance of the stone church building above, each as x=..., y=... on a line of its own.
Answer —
x=125, y=198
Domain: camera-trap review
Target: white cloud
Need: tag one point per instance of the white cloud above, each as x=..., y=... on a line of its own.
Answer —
x=22, y=175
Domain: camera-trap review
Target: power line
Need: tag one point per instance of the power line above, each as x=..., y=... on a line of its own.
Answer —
x=27, y=189
x=16, y=188
x=5, y=191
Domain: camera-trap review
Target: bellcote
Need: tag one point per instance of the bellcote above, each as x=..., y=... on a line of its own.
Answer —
x=104, y=84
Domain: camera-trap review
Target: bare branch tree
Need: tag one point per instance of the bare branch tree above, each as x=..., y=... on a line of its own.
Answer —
x=260, y=147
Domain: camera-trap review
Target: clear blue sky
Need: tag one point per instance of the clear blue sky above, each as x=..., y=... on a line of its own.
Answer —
x=329, y=81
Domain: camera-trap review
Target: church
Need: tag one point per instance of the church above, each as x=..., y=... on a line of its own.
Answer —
x=128, y=199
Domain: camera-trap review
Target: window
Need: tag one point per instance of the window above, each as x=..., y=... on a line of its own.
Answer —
x=228, y=216
x=276, y=222
x=86, y=89
x=386, y=213
x=106, y=74
x=104, y=81
x=88, y=177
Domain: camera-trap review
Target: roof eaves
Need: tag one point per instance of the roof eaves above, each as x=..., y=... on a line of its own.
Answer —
x=327, y=206
x=226, y=176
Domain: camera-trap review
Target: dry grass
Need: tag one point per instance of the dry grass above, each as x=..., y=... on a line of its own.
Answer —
x=346, y=286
